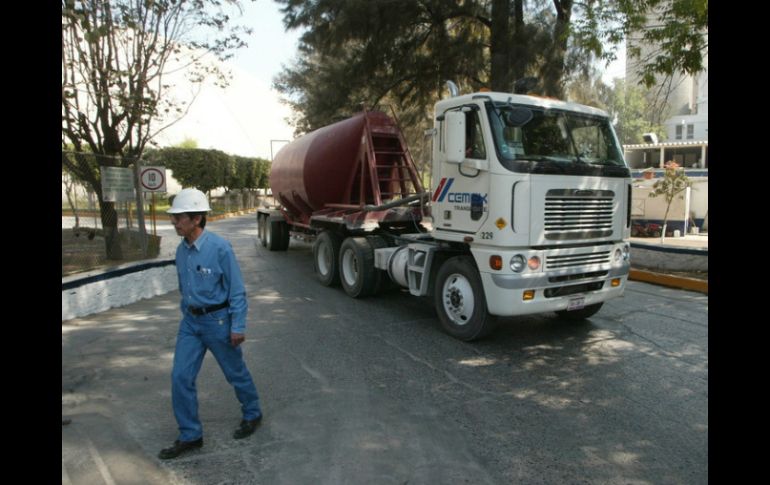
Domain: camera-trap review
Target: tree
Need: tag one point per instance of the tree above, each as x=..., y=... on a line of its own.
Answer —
x=194, y=167
x=673, y=183
x=357, y=53
x=263, y=173
x=587, y=88
x=678, y=33
x=400, y=52
x=188, y=143
x=631, y=113
x=115, y=58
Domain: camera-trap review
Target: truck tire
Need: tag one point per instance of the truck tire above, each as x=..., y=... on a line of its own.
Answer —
x=261, y=223
x=326, y=254
x=358, y=275
x=585, y=312
x=460, y=301
x=277, y=235
x=384, y=282
x=283, y=242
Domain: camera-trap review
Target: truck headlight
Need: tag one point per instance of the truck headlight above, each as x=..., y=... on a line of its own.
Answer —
x=518, y=263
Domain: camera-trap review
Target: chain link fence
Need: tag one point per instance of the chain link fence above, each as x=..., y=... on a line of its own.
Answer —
x=98, y=235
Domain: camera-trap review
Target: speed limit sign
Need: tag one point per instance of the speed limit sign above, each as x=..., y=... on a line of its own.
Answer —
x=153, y=179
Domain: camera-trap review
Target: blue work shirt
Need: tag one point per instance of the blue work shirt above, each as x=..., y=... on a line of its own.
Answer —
x=209, y=275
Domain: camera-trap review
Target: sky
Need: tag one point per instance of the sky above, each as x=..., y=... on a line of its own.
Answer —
x=617, y=68
x=247, y=118
x=243, y=118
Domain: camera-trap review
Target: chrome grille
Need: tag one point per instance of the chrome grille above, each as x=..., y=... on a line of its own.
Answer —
x=574, y=260
x=578, y=214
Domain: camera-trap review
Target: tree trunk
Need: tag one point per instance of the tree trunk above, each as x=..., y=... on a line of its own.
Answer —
x=553, y=71
x=665, y=219
x=72, y=198
x=111, y=235
x=500, y=47
x=518, y=46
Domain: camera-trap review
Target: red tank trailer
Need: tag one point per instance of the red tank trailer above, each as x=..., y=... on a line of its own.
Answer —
x=353, y=172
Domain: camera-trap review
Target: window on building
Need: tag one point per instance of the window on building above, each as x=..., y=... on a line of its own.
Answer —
x=678, y=132
x=690, y=132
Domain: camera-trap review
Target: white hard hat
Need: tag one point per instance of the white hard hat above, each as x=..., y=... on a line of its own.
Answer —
x=189, y=200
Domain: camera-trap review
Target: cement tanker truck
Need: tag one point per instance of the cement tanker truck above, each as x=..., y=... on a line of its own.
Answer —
x=528, y=209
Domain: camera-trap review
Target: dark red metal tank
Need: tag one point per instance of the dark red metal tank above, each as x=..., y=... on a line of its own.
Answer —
x=318, y=168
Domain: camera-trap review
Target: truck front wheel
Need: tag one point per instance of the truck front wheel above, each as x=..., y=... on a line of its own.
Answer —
x=326, y=253
x=459, y=300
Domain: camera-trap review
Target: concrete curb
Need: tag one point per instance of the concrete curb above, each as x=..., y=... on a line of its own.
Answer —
x=232, y=214
x=116, y=287
x=669, y=280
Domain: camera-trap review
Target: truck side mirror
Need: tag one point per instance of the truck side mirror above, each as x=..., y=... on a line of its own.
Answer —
x=454, y=142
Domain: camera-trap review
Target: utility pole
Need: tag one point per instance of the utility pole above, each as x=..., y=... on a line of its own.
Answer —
x=271, y=146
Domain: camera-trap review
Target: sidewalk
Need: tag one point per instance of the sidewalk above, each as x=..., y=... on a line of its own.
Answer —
x=688, y=241
x=694, y=280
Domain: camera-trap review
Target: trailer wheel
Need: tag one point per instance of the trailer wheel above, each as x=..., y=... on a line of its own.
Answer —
x=576, y=315
x=261, y=222
x=459, y=300
x=283, y=241
x=326, y=252
x=358, y=275
x=277, y=235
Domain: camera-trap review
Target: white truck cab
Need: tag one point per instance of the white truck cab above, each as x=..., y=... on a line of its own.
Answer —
x=538, y=193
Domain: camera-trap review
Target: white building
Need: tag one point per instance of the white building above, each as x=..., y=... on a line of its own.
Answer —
x=686, y=108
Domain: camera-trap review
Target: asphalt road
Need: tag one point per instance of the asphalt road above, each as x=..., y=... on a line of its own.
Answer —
x=372, y=392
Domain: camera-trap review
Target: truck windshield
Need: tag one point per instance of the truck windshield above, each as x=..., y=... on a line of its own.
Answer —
x=529, y=135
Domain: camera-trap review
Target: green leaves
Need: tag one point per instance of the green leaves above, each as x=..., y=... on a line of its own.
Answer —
x=678, y=34
x=210, y=169
x=631, y=113
x=671, y=186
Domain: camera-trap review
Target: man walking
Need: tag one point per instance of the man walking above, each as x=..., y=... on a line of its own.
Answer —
x=214, y=312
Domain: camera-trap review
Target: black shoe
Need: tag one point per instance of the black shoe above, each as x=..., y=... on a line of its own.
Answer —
x=247, y=428
x=179, y=448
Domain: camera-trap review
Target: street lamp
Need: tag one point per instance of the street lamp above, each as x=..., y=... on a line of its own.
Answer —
x=271, y=147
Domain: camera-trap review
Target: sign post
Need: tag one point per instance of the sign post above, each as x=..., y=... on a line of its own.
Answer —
x=153, y=179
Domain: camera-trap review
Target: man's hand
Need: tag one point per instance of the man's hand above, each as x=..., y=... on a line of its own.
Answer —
x=236, y=339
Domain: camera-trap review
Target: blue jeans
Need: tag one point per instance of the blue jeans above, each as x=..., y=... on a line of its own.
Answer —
x=196, y=335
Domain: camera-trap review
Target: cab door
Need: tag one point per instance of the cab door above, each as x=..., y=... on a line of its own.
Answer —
x=461, y=191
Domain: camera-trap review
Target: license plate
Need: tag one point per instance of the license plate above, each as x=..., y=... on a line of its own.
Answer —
x=576, y=303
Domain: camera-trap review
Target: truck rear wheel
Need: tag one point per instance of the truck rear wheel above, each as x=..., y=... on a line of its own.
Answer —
x=585, y=312
x=326, y=252
x=358, y=275
x=277, y=235
x=459, y=300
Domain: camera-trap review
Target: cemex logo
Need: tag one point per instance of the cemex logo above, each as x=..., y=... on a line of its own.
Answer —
x=455, y=197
